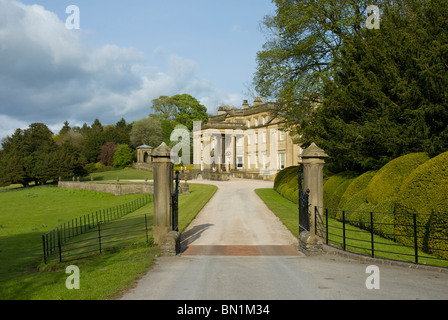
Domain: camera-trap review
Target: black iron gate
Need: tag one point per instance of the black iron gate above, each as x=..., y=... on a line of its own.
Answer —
x=175, y=204
x=304, y=216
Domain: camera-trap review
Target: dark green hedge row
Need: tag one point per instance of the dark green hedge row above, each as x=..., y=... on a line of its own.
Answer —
x=425, y=191
x=379, y=192
x=286, y=183
x=409, y=184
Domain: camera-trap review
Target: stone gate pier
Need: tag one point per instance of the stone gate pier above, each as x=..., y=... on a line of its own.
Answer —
x=313, y=160
x=163, y=233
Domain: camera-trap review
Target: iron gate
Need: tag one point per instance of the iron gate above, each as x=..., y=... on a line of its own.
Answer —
x=304, y=217
x=175, y=204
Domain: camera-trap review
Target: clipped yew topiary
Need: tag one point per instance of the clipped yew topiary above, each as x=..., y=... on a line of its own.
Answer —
x=286, y=183
x=356, y=186
x=377, y=192
x=425, y=192
x=388, y=180
x=334, y=189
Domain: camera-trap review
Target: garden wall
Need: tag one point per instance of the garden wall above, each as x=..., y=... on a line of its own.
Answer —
x=113, y=188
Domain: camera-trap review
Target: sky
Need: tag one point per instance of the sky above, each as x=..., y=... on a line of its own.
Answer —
x=123, y=55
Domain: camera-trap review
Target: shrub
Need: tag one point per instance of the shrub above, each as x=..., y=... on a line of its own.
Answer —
x=388, y=180
x=335, y=187
x=286, y=183
x=425, y=192
x=356, y=186
x=377, y=192
x=123, y=156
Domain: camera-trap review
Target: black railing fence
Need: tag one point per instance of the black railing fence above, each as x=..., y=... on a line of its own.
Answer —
x=108, y=235
x=54, y=240
x=412, y=237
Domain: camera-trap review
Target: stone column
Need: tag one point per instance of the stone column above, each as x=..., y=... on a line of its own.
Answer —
x=163, y=188
x=313, y=165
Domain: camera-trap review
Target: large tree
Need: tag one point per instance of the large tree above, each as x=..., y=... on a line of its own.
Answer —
x=178, y=109
x=124, y=156
x=146, y=131
x=106, y=156
x=303, y=40
x=189, y=110
x=32, y=155
x=389, y=94
x=93, y=139
x=365, y=95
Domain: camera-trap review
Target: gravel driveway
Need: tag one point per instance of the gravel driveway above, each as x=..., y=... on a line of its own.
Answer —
x=236, y=249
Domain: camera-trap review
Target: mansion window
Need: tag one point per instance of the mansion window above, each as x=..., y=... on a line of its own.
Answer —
x=281, y=158
x=281, y=135
x=239, y=162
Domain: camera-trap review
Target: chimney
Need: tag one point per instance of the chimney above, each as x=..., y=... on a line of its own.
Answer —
x=257, y=101
x=245, y=104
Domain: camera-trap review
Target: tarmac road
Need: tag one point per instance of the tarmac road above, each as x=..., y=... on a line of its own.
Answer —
x=236, y=249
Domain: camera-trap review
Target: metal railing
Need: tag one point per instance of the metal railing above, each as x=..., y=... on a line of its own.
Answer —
x=106, y=235
x=53, y=240
x=411, y=237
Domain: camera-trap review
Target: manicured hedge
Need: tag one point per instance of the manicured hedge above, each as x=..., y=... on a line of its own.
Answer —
x=286, y=183
x=356, y=186
x=409, y=184
x=387, y=182
x=355, y=199
x=425, y=192
x=377, y=192
x=335, y=187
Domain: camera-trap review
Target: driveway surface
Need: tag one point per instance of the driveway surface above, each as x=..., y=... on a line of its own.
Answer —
x=237, y=249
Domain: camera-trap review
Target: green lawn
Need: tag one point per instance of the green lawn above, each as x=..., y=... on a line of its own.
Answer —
x=357, y=240
x=28, y=213
x=123, y=174
x=285, y=210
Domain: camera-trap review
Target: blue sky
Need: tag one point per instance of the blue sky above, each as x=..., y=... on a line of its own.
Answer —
x=125, y=54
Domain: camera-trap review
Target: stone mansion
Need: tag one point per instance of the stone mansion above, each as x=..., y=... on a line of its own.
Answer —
x=248, y=142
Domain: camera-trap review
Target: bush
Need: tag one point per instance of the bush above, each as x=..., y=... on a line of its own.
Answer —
x=335, y=187
x=387, y=182
x=286, y=183
x=425, y=192
x=377, y=192
x=356, y=186
x=124, y=156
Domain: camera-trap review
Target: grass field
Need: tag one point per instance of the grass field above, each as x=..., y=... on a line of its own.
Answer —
x=26, y=214
x=123, y=174
x=357, y=240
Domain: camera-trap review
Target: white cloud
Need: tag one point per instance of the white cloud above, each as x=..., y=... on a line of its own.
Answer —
x=8, y=125
x=49, y=74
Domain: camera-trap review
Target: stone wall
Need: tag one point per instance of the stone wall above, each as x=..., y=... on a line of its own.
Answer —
x=224, y=176
x=143, y=166
x=117, y=189
x=113, y=188
x=253, y=175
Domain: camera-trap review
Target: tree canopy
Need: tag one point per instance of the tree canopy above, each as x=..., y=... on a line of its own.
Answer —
x=181, y=108
x=32, y=155
x=366, y=96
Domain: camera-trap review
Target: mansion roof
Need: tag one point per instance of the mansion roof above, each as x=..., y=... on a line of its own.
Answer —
x=234, y=118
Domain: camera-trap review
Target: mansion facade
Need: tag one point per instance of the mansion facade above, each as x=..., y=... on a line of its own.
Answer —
x=247, y=142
